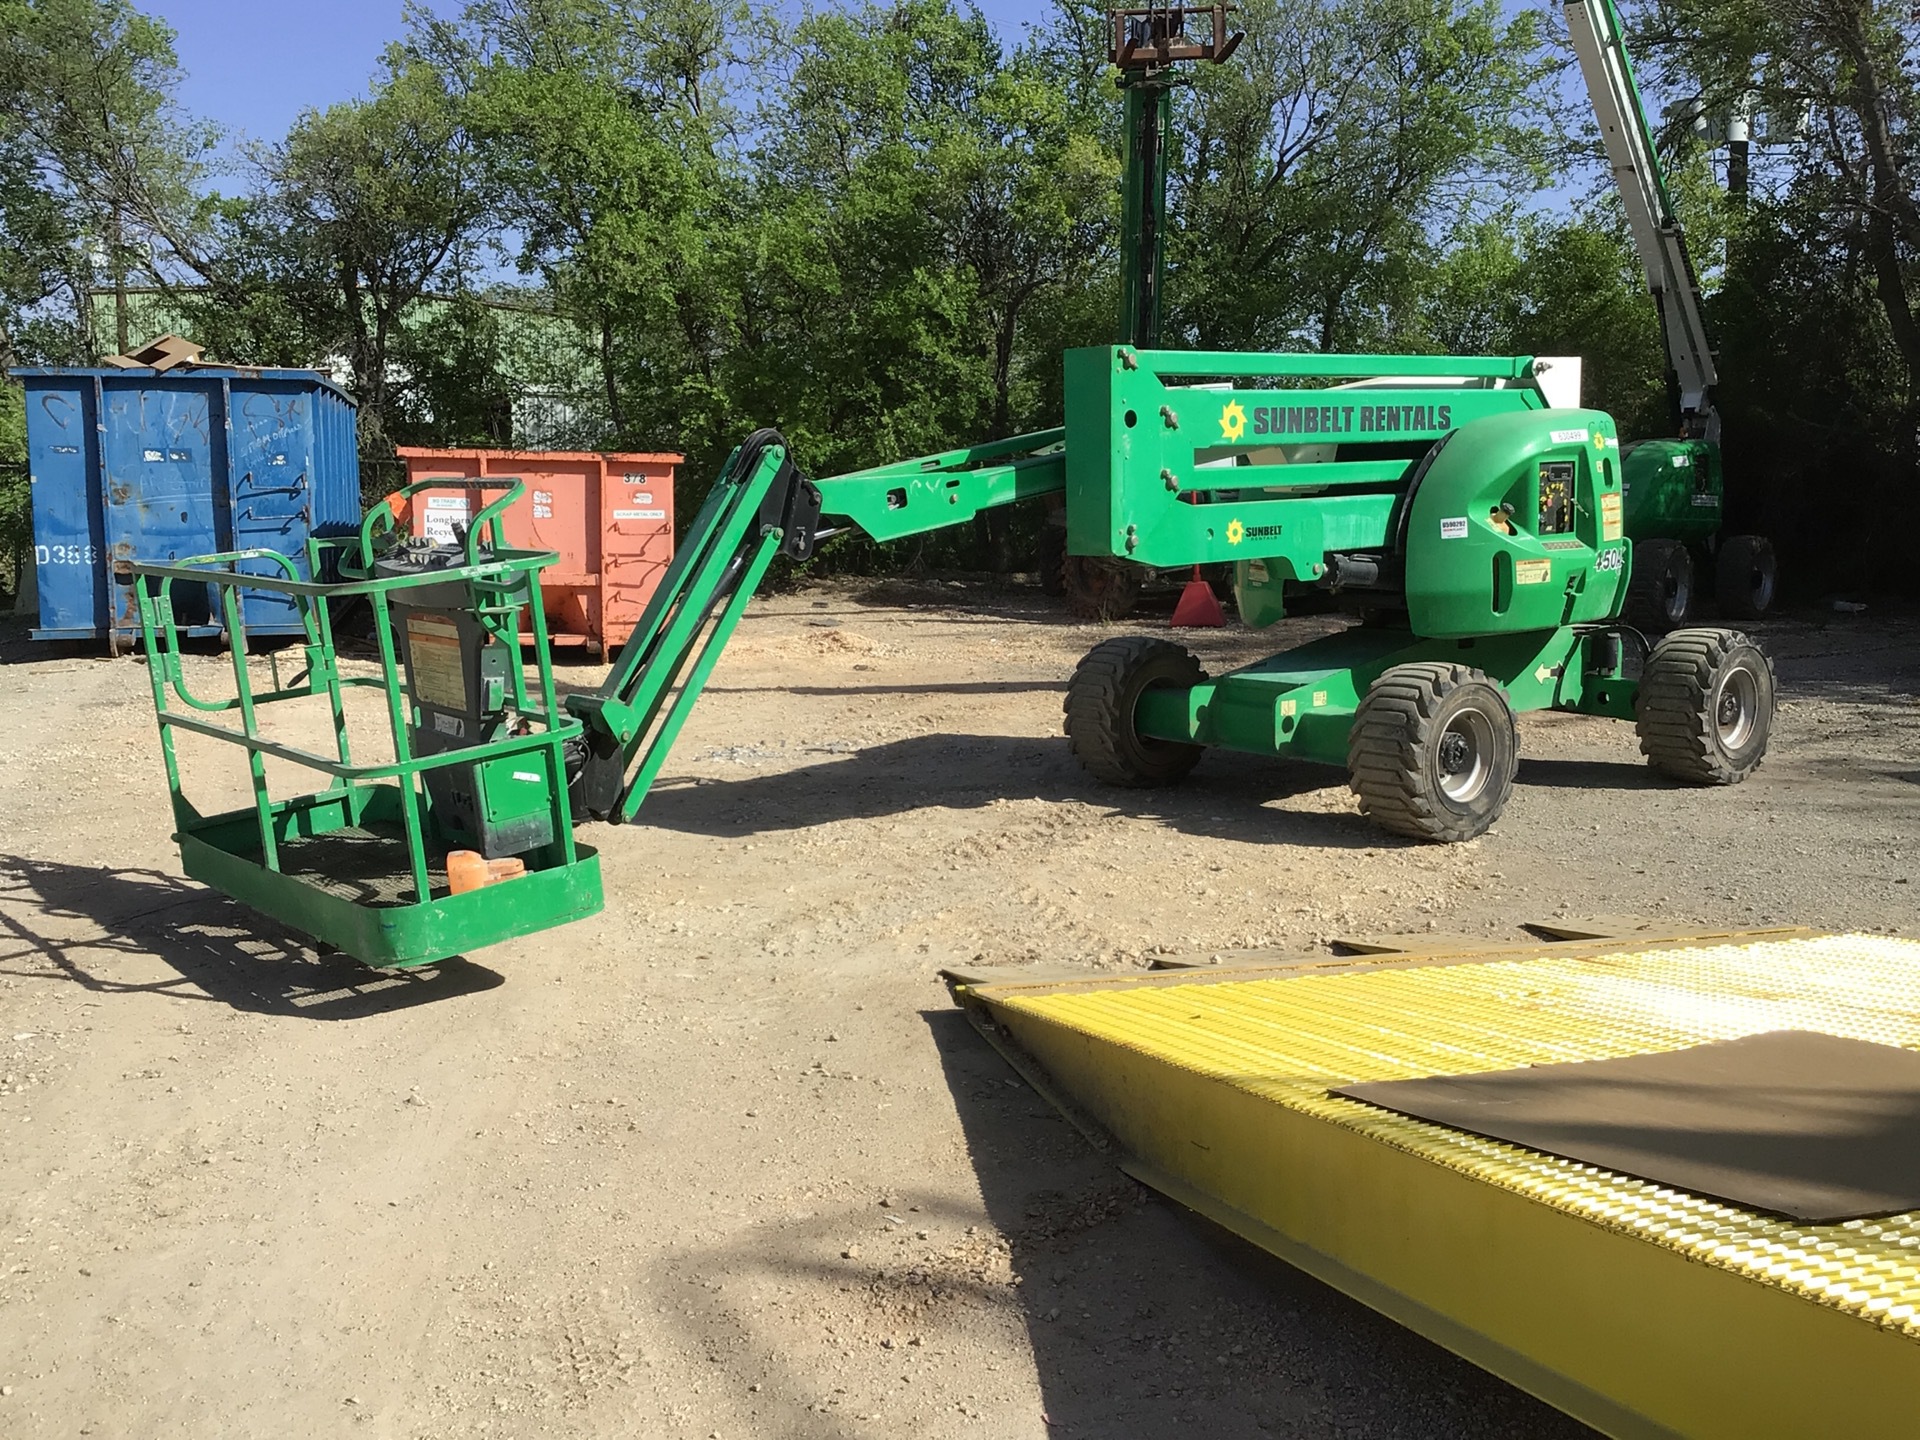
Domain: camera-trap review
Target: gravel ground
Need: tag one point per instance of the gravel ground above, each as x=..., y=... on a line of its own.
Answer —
x=724, y=1161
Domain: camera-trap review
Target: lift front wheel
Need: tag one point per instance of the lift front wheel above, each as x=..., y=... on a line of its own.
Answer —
x=1433, y=752
x=1101, y=697
x=1705, y=707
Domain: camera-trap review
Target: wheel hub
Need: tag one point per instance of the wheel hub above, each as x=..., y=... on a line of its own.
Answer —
x=1734, y=713
x=1465, y=756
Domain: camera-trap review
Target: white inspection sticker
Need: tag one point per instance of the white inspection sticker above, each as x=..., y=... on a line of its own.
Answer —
x=442, y=514
x=450, y=725
x=642, y=497
x=527, y=775
x=1569, y=437
x=639, y=514
x=1454, y=528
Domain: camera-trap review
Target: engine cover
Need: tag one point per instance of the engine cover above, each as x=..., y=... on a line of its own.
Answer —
x=1516, y=525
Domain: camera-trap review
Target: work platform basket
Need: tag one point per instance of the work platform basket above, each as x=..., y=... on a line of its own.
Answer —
x=360, y=862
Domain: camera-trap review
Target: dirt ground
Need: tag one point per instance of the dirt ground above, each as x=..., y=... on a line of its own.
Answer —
x=724, y=1161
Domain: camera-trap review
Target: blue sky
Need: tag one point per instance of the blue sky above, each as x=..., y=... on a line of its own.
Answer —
x=254, y=74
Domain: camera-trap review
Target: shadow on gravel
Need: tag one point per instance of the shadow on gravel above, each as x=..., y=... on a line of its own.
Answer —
x=103, y=929
x=1146, y=1319
x=1227, y=797
x=1589, y=775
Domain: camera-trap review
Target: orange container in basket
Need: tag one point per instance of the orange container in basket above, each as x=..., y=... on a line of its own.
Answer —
x=609, y=517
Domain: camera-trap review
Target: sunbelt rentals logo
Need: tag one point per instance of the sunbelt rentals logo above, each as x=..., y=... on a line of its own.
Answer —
x=1233, y=421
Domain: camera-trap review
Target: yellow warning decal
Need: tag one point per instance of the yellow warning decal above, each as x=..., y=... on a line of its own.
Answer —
x=1532, y=572
x=1609, y=517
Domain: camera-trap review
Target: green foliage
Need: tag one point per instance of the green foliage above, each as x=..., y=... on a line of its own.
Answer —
x=1520, y=285
x=88, y=123
x=1819, y=312
x=16, y=501
x=1314, y=170
x=877, y=224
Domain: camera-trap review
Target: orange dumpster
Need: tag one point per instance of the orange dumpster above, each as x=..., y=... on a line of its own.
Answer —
x=609, y=517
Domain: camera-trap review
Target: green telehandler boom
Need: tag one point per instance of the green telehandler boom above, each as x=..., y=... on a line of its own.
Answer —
x=1474, y=530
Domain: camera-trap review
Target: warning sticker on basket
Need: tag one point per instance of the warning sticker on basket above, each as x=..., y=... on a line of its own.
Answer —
x=1454, y=528
x=438, y=675
x=639, y=514
x=1569, y=437
x=1532, y=572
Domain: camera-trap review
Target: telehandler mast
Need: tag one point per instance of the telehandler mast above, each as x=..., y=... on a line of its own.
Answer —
x=1473, y=527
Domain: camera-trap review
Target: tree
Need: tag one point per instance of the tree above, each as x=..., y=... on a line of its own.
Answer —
x=1819, y=312
x=366, y=205
x=1315, y=168
x=86, y=92
x=1525, y=285
x=604, y=132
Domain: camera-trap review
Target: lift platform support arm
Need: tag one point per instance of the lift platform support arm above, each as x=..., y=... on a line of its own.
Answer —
x=762, y=507
x=1596, y=32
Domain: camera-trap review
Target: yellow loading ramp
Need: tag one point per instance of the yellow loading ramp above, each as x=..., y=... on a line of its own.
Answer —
x=1639, y=1309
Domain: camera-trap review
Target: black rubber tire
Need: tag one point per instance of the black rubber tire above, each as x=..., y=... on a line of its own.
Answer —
x=1050, y=559
x=1744, y=577
x=1106, y=686
x=1659, y=586
x=1705, y=707
x=1403, y=754
x=1099, y=588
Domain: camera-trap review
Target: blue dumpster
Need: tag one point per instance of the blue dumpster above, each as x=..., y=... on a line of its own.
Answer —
x=131, y=465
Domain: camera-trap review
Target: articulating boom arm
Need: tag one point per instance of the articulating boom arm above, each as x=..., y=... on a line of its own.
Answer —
x=762, y=507
x=1596, y=32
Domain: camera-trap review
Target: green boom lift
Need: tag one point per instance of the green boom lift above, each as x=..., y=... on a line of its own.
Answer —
x=1473, y=528
x=1674, y=494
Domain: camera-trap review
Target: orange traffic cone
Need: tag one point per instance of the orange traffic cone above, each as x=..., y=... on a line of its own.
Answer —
x=1197, y=610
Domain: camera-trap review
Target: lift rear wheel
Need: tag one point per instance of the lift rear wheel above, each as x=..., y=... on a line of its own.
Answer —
x=1705, y=707
x=1659, y=586
x=1050, y=558
x=1099, y=588
x=1106, y=686
x=1433, y=752
x=1744, y=576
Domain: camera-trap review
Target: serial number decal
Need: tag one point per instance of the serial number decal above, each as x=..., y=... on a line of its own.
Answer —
x=65, y=555
x=1454, y=528
x=1569, y=437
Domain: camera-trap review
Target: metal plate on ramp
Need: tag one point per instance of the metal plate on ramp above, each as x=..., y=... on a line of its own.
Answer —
x=1818, y=1127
